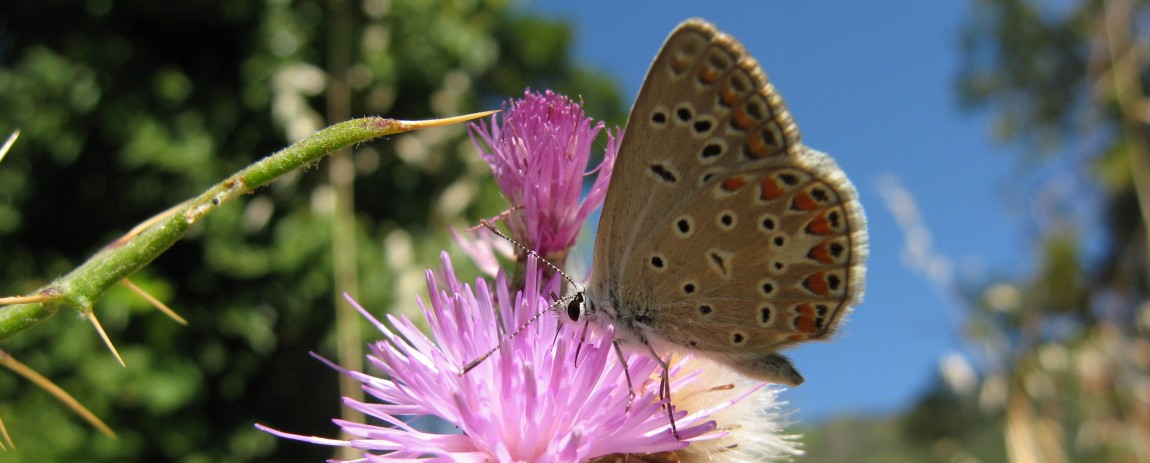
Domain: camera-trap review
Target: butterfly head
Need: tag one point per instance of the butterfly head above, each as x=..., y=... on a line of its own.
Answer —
x=576, y=308
x=583, y=310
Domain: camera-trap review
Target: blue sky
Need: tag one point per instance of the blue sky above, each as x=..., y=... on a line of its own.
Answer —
x=871, y=83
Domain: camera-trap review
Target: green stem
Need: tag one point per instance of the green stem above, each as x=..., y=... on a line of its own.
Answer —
x=81, y=288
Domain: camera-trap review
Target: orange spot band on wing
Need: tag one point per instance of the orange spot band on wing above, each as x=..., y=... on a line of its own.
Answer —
x=708, y=75
x=822, y=253
x=771, y=189
x=804, y=202
x=757, y=146
x=680, y=63
x=728, y=95
x=733, y=183
x=741, y=119
x=820, y=225
x=817, y=283
x=805, y=321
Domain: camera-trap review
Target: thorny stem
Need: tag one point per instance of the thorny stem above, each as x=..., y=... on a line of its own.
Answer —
x=82, y=287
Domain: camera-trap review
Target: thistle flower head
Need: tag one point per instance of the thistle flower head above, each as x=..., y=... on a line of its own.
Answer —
x=530, y=402
x=538, y=149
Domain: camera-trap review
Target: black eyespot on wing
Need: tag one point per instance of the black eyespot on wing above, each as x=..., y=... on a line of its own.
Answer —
x=719, y=261
x=712, y=150
x=684, y=114
x=768, y=137
x=837, y=249
x=702, y=126
x=755, y=109
x=768, y=289
x=664, y=173
x=684, y=226
x=820, y=195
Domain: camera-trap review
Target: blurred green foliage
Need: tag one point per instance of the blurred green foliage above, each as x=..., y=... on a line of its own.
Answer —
x=129, y=107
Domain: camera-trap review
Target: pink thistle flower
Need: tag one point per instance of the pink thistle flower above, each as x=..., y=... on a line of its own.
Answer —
x=528, y=402
x=538, y=155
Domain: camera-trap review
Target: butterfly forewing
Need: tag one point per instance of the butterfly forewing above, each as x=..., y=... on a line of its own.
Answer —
x=690, y=123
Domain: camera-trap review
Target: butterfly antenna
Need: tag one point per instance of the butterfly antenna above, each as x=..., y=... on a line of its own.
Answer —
x=557, y=301
x=474, y=363
x=531, y=252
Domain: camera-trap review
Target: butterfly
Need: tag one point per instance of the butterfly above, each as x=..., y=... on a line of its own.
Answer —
x=721, y=234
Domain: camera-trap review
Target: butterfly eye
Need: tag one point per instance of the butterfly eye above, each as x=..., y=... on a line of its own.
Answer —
x=573, y=309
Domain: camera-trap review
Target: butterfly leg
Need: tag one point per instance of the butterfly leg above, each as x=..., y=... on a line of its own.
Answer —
x=664, y=387
x=583, y=339
x=626, y=374
x=559, y=325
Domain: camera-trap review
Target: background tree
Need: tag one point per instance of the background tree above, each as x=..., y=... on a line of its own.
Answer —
x=129, y=107
x=1070, y=344
x=1063, y=351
